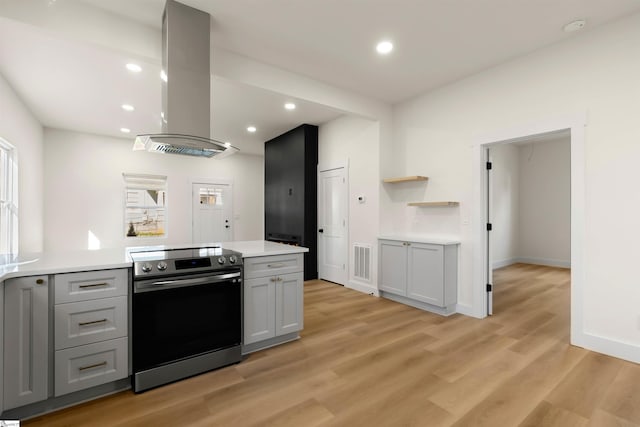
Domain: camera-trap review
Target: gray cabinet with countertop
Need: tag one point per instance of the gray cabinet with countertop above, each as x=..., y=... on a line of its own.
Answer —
x=422, y=274
x=273, y=300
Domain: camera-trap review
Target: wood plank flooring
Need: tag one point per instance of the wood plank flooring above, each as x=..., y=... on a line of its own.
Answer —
x=366, y=361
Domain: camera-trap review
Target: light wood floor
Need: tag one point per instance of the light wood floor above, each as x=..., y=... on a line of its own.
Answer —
x=365, y=361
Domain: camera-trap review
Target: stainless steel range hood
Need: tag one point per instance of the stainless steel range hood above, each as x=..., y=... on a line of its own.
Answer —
x=186, y=87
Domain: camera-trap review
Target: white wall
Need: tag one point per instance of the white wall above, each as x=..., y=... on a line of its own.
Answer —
x=545, y=203
x=355, y=141
x=504, y=198
x=20, y=128
x=594, y=72
x=84, y=190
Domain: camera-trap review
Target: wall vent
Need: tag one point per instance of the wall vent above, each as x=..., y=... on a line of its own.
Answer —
x=362, y=262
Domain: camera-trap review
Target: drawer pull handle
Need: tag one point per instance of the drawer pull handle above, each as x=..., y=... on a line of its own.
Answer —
x=39, y=281
x=93, y=285
x=275, y=265
x=93, y=322
x=95, y=365
x=273, y=279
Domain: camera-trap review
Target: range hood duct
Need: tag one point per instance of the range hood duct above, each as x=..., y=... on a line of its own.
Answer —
x=186, y=87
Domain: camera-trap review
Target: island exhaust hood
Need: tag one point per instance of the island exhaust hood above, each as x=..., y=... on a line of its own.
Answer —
x=186, y=87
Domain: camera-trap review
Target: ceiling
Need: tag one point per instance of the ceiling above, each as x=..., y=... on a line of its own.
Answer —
x=74, y=84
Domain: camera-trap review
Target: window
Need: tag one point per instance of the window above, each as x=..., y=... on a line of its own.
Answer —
x=145, y=205
x=8, y=200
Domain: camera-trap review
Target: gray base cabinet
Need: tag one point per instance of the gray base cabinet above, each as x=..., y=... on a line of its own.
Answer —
x=423, y=275
x=273, y=299
x=26, y=340
x=90, y=329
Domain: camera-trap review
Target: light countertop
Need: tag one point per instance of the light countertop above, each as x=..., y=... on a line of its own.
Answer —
x=255, y=248
x=103, y=259
x=422, y=238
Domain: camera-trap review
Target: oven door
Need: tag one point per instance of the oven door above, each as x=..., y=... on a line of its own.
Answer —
x=177, y=318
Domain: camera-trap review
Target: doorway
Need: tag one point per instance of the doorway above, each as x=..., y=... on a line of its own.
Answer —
x=211, y=212
x=332, y=226
x=528, y=209
x=575, y=125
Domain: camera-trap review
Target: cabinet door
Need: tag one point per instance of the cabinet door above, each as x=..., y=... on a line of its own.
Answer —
x=26, y=340
x=259, y=309
x=289, y=303
x=426, y=273
x=392, y=256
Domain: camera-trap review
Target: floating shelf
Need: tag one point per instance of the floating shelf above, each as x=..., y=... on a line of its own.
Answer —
x=405, y=179
x=433, y=204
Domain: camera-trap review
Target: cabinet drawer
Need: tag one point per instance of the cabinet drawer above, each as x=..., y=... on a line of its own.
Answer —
x=72, y=287
x=90, y=365
x=85, y=322
x=272, y=265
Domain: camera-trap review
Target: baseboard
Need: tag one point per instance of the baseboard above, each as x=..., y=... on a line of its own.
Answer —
x=544, y=261
x=610, y=347
x=504, y=263
x=363, y=287
x=465, y=309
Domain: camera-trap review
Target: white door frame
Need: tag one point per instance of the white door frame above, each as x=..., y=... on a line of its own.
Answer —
x=347, y=240
x=211, y=181
x=576, y=124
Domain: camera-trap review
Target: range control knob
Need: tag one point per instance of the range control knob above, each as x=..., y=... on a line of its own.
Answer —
x=147, y=267
x=162, y=266
x=221, y=260
x=233, y=259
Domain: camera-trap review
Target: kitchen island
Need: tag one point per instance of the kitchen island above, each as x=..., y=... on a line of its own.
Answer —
x=42, y=292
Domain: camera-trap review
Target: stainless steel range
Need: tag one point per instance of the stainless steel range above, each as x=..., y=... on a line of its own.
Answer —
x=186, y=313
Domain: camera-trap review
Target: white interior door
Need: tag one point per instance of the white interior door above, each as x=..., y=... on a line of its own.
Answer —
x=332, y=226
x=212, y=213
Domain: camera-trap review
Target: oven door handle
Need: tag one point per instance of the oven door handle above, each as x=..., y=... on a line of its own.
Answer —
x=176, y=283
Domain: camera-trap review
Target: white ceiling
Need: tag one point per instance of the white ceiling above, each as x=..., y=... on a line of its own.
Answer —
x=75, y=84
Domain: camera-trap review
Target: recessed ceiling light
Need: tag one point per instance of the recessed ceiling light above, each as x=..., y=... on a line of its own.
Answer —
x=134, y=68
x=290, y=106
x=127, y=107
x=251, y=129
x=125, y=130
x=384, y=47
x=574, y=26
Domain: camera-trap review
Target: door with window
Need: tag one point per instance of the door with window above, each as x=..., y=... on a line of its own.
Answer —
x=212, y=213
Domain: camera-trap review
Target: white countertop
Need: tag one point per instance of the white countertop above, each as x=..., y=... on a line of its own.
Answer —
x=255, y=248
x=422, y=238
x=64, y=262
x=102, y=259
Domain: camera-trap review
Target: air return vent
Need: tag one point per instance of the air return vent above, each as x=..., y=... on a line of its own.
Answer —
x=362, y=262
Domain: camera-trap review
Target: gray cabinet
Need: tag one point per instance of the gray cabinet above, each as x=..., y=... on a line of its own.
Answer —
x=90, y=329
x=273, y=300
x=26, y=340
x=423, y=275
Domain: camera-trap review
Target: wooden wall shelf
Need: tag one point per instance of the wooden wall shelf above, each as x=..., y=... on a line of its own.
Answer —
x=405, y=179
x=427, y=204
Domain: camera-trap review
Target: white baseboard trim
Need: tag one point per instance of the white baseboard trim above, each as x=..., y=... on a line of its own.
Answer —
x=465, y=309
x=610, y=347
x=535, y=261
x=504, y=263
x=365, y=288
x=544, y=261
